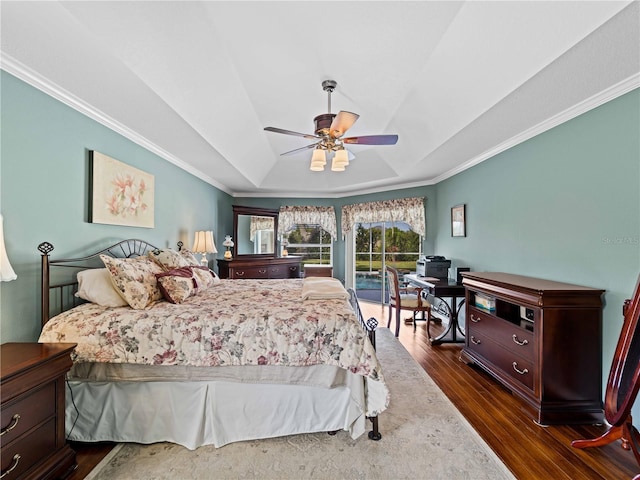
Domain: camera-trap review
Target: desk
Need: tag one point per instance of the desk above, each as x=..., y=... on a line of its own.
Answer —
x=447, y=288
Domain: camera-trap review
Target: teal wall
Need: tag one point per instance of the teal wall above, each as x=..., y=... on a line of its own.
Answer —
x=338, y=247
x=564, y=206
x=44, y=196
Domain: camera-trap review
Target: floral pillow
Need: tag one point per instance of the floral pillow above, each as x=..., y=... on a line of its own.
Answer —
x=189, y=257
x=205, y=277
x=178, y=284
x=168, y=259
x=134, y=279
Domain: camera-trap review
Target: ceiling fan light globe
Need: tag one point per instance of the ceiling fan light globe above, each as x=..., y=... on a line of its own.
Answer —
x=341, y=158
x=316, y=167
x=319, y=157
x=337, y=167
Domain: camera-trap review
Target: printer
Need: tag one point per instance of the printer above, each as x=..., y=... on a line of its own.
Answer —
x=433, y=266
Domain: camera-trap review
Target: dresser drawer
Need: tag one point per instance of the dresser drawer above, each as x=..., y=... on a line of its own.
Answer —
x=20, y=455
x=516, y=339
x=249, y=272
x=26, y=411
x=514, y=366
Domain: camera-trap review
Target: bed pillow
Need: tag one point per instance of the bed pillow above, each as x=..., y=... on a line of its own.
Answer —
x=189, y=257
x=134, y=279
x=178, y=284
x=205, y=277
x=94, y=285
x=168, y=259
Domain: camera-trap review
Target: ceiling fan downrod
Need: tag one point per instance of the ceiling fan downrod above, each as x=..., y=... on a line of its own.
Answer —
x=329, y=86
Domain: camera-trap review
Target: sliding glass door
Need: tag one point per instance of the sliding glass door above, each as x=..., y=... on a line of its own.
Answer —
x=379, y=244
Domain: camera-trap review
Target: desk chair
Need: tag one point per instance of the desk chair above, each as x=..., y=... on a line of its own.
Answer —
x=403, y=298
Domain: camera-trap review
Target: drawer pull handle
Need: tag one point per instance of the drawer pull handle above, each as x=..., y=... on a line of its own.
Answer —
x=262, y=270
x=474, y=340
x=293, y=269
x=239, y=274
x=14, y=464
x=475, y=319
x=12, y=425
x=521, y=343
x=521, y=372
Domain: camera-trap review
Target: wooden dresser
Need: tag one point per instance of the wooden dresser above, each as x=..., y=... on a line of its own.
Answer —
x=270, y=267
x=32, y=391
x=541, y=339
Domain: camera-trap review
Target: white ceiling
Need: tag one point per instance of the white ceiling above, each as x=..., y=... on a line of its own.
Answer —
x=196, y=82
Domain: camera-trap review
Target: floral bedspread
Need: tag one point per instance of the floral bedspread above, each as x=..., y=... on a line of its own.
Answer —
x=238, y=322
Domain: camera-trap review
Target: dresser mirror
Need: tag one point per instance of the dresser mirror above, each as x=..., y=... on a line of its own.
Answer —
x=255, y=232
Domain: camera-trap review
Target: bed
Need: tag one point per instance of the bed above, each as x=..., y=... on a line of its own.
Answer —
x=206, y=361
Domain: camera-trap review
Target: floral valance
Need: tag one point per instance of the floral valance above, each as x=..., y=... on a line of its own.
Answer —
x=290, y=216
x=260, y=223
x=408, y=210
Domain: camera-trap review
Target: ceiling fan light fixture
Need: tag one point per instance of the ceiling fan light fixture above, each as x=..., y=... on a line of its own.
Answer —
x=318, y=160
x=341, y=158
x=337, y=166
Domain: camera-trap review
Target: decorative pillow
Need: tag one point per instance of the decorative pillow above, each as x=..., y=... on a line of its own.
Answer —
x=134, y=279
x=168, y=259
x=94, y=285
x=178, y=284
x=205, y=277
x=189, y=257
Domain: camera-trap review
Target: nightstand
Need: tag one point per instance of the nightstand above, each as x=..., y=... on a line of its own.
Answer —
x=32, y=392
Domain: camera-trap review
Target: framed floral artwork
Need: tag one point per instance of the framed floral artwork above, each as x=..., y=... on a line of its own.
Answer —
x=458, y=226
x=120, y=194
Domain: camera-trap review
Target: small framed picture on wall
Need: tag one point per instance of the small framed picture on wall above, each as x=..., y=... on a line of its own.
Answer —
x=458, y=221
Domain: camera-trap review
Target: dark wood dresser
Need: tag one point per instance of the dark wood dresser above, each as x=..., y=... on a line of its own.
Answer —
x=269, y=267
x=32, y=391
x=541, y=339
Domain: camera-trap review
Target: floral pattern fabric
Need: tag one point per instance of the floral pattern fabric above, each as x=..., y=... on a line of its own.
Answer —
x=134, y=279
x=240, y=322
x=290, y=216
x=408, y=210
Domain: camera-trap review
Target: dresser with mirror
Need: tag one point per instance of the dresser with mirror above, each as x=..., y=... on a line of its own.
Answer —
x=255, y=249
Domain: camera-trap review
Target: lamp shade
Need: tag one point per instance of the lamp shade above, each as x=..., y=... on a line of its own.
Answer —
x=228, y=242
x=203, y=243
x=341, y=158
x=318, y=160
x=6, y=271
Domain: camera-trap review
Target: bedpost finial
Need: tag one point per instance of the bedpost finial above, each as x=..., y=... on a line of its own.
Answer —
x=45, y=248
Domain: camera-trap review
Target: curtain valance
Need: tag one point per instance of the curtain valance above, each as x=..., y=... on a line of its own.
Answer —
x=259, y=223
x=408, y=210
x=290, y=216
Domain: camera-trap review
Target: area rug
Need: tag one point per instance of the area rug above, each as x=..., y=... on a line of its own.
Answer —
x=423, y=437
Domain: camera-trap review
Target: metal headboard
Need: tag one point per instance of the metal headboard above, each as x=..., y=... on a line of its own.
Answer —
x=64, y=293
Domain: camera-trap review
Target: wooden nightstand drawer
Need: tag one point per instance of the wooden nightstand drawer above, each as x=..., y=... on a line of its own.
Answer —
x=27, y=411
x=27, y=451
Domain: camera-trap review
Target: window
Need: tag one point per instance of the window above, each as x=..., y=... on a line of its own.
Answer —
x=311, y=242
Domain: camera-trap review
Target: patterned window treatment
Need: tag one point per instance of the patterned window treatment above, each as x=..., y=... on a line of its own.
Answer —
x=259, y=223
x=290, y=216
x=408, y=210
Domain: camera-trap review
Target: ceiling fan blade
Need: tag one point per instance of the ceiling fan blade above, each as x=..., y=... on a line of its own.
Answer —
x=289, y=132
x=372, y=140
x=301, y=149
x=343, y=122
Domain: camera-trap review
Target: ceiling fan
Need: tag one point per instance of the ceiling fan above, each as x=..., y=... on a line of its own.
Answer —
x=330, y=128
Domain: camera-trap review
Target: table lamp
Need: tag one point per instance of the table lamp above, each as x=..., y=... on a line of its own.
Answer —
x=203, y=244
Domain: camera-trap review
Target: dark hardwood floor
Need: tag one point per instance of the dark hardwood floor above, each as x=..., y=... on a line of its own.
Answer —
x=530, y=451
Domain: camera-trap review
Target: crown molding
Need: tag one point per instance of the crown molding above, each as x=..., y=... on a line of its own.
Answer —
x=34, y=79
x=615, y=91
x=31, y=77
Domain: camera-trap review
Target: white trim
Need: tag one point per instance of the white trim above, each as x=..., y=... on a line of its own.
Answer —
x=27, y=75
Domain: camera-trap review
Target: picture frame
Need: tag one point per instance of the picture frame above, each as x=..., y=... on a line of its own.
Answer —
x=120, y=194
x=458, y=221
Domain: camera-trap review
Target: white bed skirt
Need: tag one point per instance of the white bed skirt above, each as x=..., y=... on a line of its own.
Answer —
x=199, y=413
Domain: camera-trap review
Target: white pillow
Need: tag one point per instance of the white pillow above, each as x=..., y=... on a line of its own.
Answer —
x=94, y=285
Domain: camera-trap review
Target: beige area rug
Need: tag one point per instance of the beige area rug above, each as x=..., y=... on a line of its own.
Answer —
x=423, y=437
